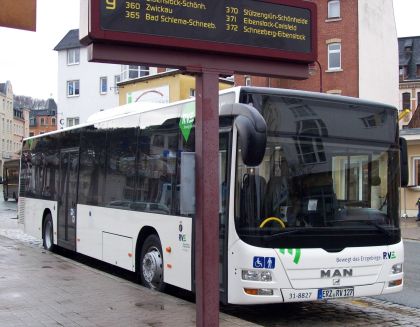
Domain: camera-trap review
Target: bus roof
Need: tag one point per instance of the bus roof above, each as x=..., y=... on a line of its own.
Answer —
x=316, y=96
x=140, y=107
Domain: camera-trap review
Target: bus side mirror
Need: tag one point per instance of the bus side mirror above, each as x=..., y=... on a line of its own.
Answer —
x=252, y=131
x=403, y=162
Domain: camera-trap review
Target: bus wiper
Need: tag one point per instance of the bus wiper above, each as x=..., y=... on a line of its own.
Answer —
x=288, y=232
x=365, y=222
x=294, y=231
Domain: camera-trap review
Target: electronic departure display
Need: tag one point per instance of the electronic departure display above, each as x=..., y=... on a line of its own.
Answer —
x=279, y=26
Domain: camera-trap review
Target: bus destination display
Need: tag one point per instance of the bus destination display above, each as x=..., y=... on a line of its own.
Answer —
x=248, y=23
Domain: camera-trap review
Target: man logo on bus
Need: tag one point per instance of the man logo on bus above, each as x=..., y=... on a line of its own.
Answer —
x=296, y=254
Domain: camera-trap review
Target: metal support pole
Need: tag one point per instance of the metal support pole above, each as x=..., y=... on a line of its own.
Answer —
x=207, y=199
x=320, y=76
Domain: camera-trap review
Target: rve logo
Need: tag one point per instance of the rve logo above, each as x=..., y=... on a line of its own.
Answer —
x=389, y=255
x=296, y=258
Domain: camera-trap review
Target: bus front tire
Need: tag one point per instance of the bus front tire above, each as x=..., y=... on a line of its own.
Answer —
x=48, y=235
x=151, y=264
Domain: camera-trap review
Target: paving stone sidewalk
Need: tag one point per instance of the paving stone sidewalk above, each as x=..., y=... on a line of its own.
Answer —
x=410, y=228
x=38, y=288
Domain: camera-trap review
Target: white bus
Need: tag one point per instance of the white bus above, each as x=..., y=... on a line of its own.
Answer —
x=309, y=205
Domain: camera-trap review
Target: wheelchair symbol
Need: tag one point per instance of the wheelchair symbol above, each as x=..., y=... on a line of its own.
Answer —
x=258, y=262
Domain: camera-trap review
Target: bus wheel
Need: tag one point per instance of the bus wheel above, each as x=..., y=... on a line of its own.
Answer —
x=48, y=236
x=151, y=264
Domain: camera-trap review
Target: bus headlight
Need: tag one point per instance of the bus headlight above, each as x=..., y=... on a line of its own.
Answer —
x=397, y=268
x=256, y=275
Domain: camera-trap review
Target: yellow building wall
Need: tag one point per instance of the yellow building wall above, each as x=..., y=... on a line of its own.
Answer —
x=177, y=86
x=409, y=196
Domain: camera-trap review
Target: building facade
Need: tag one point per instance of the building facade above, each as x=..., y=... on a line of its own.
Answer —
x=44, y=119
x=409, y=98
x=85, y=88
x=7, y=145
x=20, y=129
x=409, y=74
x=357, y=52
x=163, y=87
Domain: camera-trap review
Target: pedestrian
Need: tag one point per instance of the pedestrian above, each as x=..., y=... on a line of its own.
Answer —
x=418, y=206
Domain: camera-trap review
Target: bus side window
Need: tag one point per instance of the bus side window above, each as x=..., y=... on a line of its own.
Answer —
x=92, y=168
x=156, y=189
x=120, y=167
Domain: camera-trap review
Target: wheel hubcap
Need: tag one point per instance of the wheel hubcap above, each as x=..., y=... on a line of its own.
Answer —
x=152, y=267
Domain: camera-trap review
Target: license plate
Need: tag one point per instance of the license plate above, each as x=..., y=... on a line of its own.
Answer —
x=334, y=293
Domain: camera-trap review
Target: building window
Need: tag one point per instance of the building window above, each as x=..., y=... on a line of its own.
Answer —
x=73, y=56
x=72, y=121
x=53, y=122
x=418, y=100
x=416, y=171
x=334, y=56
x=103, y=85
x=192, y=93
x=42, y=122
x=334, y=9
x=406, y=101
x=117, y=79
x=73, y=88
x=247, y=80
x=131, y=72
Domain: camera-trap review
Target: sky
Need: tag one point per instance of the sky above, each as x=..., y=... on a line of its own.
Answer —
x=28, y=60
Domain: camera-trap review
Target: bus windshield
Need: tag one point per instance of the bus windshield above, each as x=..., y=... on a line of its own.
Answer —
x=330, y=169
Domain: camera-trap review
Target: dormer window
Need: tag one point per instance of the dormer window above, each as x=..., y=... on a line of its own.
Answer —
x=73, y=56
x=403, y=73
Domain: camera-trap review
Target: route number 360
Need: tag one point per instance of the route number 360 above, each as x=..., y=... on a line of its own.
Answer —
x=111, y=4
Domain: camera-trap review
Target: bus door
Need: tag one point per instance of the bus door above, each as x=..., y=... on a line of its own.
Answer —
x=67, y=198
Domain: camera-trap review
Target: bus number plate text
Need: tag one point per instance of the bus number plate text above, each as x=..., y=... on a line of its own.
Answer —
x=333, y=293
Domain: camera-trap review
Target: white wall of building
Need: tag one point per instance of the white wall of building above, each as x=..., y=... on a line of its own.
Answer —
x=7, y=145
x=378, y=52
x=90, y=99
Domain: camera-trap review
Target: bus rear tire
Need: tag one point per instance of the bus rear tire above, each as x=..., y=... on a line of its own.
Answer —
x=48, y=234
x=151, y=264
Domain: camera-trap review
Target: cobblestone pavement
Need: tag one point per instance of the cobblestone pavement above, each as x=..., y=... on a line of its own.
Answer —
x=357, y=312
